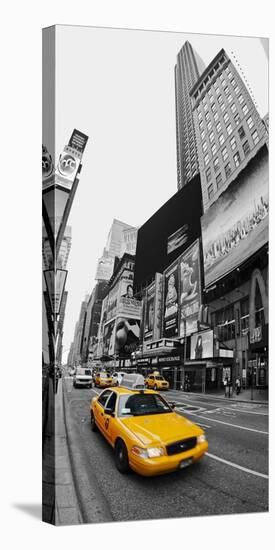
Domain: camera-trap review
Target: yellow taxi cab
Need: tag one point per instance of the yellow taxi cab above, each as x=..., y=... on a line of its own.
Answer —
x=103, y=380
x=156, y=382
x=146, y=433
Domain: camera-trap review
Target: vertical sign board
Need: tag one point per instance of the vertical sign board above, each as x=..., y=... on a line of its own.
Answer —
x=171, y=301
x=190, y=288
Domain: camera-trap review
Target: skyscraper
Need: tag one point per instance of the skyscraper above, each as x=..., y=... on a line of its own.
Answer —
x=113, y=248
x=229, y=130
x=187, y=71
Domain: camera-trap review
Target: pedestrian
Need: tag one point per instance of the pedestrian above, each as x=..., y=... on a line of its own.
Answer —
x=225, y=383
x=238, y=386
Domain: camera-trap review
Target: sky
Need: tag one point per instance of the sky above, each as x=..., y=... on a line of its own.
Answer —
x=117, y=86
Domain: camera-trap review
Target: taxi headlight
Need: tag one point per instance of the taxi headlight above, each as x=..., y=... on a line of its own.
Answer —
x=152, y=452
x=201, y=438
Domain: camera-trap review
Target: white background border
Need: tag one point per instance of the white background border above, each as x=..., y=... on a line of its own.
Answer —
x=21, y=270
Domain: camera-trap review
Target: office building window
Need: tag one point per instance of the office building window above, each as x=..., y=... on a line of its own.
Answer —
x=204, y=146
x=205, y=106
x=204, y=100
x=233, y=143
x=230, y=98
x=201, y=124
x=241, y=99
x=233, y=108
x=199, y=115
x=226, y=117
x=229, y=129
x=213, y=107
x=233, y=82
x=208, y=174
x=210, y=190
x=241, y=132
x=250, y=122
x=245, y=109
x=202, y=134
x=207, y=115
x=206, y=159
x=227, y=169
x=219, y=180
x=221, y=139
x=218, y=126
x=214, y=148
x=229, y=74
x=219, y=99
x=237, y=118
x=211, y=137
x=211, y=98
x=222, y=107
x=246, y=148
x=216, y=164
x=226, y=90
x=215, y=85
x=223, y=82
x=255, y=137
x=209, y=125
x=216, y=116
x=224, y=153
x=237, y=159
x=237, y=89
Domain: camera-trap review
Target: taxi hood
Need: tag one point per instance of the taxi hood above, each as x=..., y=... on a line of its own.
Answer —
x=161, y=429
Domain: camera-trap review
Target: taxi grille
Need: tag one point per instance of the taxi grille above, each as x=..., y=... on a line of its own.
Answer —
x=181, y=446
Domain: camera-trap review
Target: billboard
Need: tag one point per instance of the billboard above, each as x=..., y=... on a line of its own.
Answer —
x=171, y=298
x=190, y=289
x=170, y=231
x=127, y=334
x=149, y=311
x=202, y=345
x=236, y=225
x=109, y=338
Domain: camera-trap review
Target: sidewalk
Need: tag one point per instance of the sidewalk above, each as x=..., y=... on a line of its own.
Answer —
x=60, y=503
x=259, y=396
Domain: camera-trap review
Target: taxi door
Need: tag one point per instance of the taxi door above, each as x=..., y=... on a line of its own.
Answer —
x=109, y=420
x=99, y=407
x=151, y=381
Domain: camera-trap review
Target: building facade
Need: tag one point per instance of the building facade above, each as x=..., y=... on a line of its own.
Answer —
x=187, y=71
x=229, y=130
x=119, y=328
x=121, y=238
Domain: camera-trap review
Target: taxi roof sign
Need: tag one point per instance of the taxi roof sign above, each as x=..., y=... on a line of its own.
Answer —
x=133, y=382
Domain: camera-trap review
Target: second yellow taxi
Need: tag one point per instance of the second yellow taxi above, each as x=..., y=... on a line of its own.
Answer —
x=103, y=380
x=157, y=382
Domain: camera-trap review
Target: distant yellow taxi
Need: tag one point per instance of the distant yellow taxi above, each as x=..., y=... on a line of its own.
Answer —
x=103, y=380
x=146, y=433
x=156, y=382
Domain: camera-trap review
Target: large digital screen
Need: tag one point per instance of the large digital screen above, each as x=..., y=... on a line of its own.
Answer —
x=202, y=345
x=236, y=225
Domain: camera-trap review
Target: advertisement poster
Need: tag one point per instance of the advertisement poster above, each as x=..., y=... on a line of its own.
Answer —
x=202, y=345
x=190, y=292
x=241, y=214
x=170, y=325
x=112, y=302
x=177, y=239
x=127, y=336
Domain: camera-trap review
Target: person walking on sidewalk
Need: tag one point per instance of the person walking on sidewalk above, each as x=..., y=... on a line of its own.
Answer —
x=238, y=385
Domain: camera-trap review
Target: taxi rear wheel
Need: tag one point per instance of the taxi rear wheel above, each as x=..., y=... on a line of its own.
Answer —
x=93, y=424
x=121, y=457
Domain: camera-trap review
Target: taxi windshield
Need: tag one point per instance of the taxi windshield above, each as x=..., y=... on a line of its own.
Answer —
x=159, y=378
x=141, y=404
x=104, y=375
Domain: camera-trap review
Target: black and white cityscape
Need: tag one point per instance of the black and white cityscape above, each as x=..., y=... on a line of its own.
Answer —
x=179, y=298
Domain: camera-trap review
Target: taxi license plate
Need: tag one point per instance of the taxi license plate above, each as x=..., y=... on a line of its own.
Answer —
x=185, y=463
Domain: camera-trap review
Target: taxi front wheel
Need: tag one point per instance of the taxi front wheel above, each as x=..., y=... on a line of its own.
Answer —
x=121, y=457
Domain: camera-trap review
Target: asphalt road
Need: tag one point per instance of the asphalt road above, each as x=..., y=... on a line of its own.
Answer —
x=231, y=478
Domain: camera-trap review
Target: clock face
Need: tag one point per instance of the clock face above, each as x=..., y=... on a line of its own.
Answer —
x=67, y=164
x=47, y=164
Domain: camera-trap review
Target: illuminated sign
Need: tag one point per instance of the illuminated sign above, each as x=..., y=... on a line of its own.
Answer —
x=190, y=289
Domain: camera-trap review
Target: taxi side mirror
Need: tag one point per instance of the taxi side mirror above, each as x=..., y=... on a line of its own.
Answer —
x=109, y=411
x=172, y=405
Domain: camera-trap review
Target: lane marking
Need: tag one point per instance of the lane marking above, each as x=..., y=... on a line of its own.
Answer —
x=228, y=424
x=233, y=405
x=237, y=466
